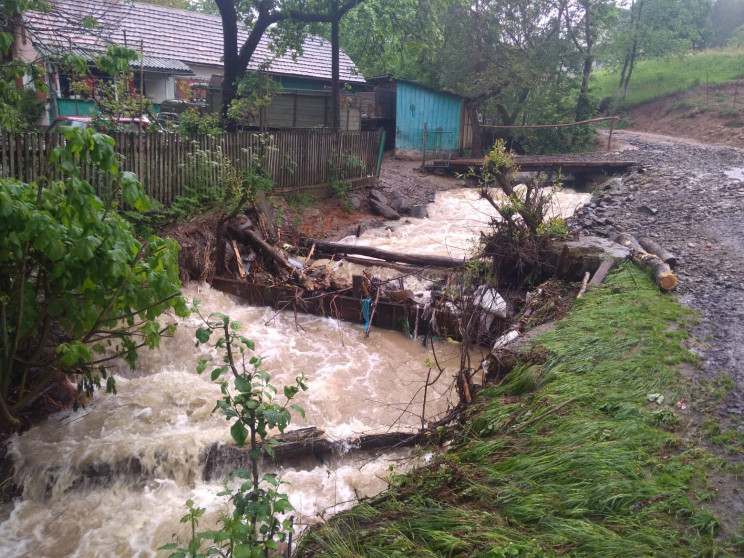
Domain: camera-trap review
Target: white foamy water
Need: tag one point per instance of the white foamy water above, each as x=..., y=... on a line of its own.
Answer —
x=455, y=222
x=162, y=416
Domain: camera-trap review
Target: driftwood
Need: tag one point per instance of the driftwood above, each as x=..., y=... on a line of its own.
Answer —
x=241, y=270
x=602, y=271
x=584, y=284
x=247, y=236
x=412, y=259
x=662, y=273
x=220, y=459
x=653, y=247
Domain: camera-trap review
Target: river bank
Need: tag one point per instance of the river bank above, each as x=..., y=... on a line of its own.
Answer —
x=587, y=447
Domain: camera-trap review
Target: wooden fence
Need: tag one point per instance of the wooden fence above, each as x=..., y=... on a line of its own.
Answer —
x=169, y=165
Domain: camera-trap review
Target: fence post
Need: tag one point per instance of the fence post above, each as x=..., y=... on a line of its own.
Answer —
x=609, y=139
x=423, y=149
x=381, y=151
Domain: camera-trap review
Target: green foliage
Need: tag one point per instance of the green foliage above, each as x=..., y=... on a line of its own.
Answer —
x=255, y=526
x=17, y=109
x=77, y=286
x=398, y=37
x=524, y=209
x=255, y=92
x=654, y=78
x=212, y=182
x=343, y=166
x=301, y=199
x=191, y=122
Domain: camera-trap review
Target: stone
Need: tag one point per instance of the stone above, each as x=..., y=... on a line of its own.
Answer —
x=419, y=211
x=239, y=225
x=586, y=254
x=612, y=183
x=648, y=210
x=356, y=202
x=384, y=210
x=401, y=205
x=377, y=196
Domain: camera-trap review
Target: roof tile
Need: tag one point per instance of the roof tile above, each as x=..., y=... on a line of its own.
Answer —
x=171, y=34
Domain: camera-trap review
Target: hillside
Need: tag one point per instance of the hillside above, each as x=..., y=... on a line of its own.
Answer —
x=715, y=116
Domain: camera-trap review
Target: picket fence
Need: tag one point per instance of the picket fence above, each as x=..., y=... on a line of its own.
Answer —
x=169, y=165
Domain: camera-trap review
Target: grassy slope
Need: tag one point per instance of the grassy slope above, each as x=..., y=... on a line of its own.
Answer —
x=655, y=78
x=608, y=474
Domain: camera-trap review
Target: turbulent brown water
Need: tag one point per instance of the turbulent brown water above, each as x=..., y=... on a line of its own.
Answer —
x=162, y=417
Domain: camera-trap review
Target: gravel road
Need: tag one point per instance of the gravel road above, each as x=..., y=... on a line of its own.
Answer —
x=690, y=198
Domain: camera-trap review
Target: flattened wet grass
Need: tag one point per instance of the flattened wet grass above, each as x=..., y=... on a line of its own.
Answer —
x=577, y=455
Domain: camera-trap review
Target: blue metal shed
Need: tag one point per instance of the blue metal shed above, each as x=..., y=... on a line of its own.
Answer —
x=416, y=105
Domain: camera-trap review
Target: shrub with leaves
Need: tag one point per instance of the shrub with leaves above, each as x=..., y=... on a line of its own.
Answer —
x=255, y=526
x=518, y=238
x=77, y=288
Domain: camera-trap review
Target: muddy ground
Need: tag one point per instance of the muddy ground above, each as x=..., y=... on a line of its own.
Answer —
x=709, y=114
x=333, y=218
x=690, y=198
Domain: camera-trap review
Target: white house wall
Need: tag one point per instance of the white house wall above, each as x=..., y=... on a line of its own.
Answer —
x=204, y=72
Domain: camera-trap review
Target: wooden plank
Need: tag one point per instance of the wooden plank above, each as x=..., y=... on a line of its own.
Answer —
x=13, y=156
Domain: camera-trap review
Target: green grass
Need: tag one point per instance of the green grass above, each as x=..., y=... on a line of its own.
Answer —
x=664, y=76
x=603, y=473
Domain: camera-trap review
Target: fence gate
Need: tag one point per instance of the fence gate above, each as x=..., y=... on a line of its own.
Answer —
x=437, y=147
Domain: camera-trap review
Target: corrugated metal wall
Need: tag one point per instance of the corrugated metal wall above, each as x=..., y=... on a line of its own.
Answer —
x=416, y=105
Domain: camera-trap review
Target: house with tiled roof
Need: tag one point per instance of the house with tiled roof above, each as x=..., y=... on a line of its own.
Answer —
x=178, y=48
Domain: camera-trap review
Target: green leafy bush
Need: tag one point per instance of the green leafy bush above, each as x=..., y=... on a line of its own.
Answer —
x=77, y=289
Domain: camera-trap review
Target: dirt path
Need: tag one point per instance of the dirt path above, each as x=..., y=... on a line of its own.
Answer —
x=690, y=197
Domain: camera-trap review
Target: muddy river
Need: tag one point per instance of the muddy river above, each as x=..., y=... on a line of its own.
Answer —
x=162, y=416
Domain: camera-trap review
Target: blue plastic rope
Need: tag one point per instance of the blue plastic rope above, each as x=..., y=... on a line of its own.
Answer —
x=366, y=304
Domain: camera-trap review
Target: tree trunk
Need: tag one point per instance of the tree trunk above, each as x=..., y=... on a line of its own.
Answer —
x=662, y=273
x=413, y=259
x=335, y=86
x=589, y=56
x=633, y=50
x=477, y=145
x=653, y=247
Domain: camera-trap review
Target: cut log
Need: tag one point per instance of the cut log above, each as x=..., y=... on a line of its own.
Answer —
x=220, y=459
x=333, y=248
x=662, y=273
x=627, y=240
x=653, y=247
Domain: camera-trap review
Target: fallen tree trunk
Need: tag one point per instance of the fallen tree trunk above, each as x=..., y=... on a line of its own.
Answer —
x=223, y=458
x=247, y=236
x=653, y=247
x=662, y=273
x=333, y=248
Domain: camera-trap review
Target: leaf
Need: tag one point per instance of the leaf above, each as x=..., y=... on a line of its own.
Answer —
x=203, y=334
x=239, y=433
x=217, y=372
x=298, y=409
x=203, y=364
x=243, y=384
x=248, y=343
